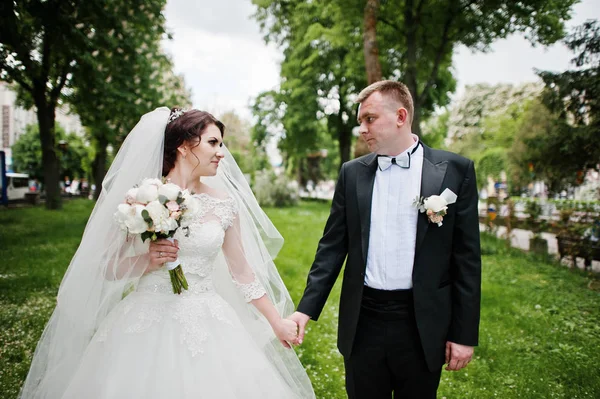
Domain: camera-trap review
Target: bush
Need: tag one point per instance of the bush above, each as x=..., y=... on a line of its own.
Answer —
x=273, y=190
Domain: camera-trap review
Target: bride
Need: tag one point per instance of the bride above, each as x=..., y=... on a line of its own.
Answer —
x=119, y=331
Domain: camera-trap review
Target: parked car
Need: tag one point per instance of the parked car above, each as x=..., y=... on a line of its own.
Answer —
x=17, y=185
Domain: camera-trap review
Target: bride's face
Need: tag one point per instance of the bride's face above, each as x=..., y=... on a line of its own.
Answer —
x=204, y=153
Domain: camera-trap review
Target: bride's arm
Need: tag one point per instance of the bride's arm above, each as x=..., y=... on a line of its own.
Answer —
x=251, y=288
x=138, y=258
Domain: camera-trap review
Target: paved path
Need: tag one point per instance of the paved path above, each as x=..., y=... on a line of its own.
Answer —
x=520, y=239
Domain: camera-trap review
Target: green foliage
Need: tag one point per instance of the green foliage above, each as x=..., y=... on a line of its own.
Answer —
x=435, y=130
x=321, y=69
x=324, y=65
x=274, y=190
x=131, y=75
x=572, y=147
x=540, y=323
x=74, y=155
x=239, y=141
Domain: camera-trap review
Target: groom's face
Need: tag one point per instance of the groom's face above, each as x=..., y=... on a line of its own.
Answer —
x=378, y=122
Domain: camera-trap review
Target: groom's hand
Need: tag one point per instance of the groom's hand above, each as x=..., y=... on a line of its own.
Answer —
x=301, y=320
x=457, y=356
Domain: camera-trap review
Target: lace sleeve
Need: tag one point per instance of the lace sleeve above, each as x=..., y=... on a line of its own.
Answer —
x=251, y=291
x=242, y=274
x=226, y=212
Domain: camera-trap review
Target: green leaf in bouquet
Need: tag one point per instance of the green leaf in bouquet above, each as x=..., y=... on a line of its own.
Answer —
x=145, y=235
x=162, y=199
x=147, y=218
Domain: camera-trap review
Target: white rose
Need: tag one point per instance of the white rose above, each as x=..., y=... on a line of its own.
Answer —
x=153, y=182
x=136, y=223
x=123, y=214
x=435, y=203
x=169, y=190
x=147, y=193
x=192, y=207
x=131, y=196
x=171, y=224
x=158, y=212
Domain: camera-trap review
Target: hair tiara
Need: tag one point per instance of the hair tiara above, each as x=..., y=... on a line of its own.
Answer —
x=177, y=112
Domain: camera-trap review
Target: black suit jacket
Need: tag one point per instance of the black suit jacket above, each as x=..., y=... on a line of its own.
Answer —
x=447, y=266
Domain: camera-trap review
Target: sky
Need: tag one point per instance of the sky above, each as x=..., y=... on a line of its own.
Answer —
x=219, y=49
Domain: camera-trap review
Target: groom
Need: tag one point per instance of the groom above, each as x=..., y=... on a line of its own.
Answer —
x=411, y=288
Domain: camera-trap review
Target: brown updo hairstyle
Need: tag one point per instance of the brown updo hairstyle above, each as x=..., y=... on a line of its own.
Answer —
x=183, y=129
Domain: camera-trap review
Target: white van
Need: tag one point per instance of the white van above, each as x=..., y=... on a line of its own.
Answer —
x=18, y=185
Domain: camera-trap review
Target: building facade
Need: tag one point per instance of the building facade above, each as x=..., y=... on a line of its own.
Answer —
x=15, y=120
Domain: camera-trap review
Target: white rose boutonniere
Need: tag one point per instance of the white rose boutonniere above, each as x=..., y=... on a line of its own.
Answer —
x=435, y=206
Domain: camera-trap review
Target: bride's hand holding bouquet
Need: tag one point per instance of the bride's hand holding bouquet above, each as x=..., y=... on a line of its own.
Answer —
x=155, y=210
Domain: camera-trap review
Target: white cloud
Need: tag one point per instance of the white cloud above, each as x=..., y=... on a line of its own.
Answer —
x=513, y=60
x=220, y=51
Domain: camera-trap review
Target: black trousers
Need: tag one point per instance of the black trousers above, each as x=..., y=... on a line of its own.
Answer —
x=387, y=359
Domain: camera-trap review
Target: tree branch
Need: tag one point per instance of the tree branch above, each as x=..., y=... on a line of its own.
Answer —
x=389, y=23
x=61, y=81
x=15, y=75
x=419, y=8
x=438, y=57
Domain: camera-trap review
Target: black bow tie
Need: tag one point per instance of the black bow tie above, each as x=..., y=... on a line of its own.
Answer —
x=402, y=160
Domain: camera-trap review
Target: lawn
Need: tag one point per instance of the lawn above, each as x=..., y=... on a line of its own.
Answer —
x=540, y=328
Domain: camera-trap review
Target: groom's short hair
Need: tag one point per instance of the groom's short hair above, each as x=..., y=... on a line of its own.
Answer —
x=392, y=89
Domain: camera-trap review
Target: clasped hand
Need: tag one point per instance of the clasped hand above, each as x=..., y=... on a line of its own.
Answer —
x=286, y=331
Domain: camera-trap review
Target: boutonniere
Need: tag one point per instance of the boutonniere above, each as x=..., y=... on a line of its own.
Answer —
x=435, y=206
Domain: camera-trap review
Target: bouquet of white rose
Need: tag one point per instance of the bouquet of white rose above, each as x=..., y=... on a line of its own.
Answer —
x=155, y=209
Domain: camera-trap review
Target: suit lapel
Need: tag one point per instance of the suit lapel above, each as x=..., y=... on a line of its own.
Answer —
x=365, y=179
x=432, y=177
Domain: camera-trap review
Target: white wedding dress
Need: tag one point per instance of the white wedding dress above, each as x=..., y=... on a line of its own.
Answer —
x=156, y=344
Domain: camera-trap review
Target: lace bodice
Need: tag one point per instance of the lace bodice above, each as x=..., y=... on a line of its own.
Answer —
x=199, y=246
x=205, y=234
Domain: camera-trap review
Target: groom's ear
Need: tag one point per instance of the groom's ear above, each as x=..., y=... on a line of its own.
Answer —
x=401, y=116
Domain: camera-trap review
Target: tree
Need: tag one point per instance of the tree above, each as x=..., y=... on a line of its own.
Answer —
x=44, y=45
x=415, y=40
x=131, y=75
x=41, y=42
x=528, y=156
x=238, y=140
x=483, y=125
x=73, y=154
x=319, y=74
x=572, y=148
x=423, y=34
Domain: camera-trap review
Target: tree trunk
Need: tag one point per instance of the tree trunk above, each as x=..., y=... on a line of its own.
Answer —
x=371, y=49
x=410, y=80
x=343, y=128
x=416, y=122
x=46, y=119
x=99, y=164
x=372, y=64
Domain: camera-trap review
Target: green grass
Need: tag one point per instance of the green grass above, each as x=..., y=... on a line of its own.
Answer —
x=540, y=327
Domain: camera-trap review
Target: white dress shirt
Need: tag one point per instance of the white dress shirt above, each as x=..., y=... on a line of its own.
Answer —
x=393, y=233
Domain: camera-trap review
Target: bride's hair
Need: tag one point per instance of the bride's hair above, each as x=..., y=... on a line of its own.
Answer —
x=184, y=128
